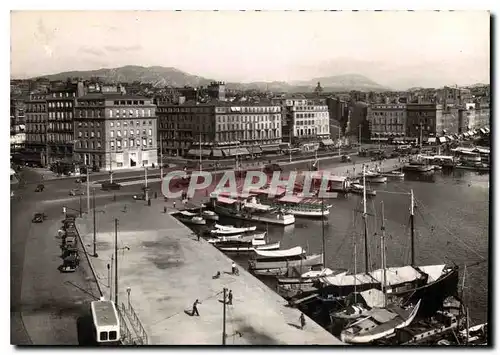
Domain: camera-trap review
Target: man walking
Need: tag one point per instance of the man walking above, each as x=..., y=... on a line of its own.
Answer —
x=195, y=309
x=230, y=297
x=302, y=321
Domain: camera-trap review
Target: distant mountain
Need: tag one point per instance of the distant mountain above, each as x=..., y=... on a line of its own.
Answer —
x=161, y=76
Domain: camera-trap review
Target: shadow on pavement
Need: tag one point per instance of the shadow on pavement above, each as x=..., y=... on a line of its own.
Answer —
x=84, y=330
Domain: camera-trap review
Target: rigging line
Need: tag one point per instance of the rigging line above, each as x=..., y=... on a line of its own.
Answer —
x=419, y=202
x=172, y=315
x=449, y=232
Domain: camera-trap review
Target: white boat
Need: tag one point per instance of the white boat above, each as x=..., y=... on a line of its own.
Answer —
x=304, y=207
x=225, y=239
x=381, y=323
x=190, y=218
x=250, y=248
x=358, y=189
x=375, y=177
x=278, y=261
x=210, y=215
x=307, y=277
x=230, y=230
x=307, y=213
x=250, y=212
x=396, y=174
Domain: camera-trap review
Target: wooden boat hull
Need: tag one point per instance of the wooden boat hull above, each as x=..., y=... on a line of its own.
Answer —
x=376, y=179
x=308, y=214
x=283, y=266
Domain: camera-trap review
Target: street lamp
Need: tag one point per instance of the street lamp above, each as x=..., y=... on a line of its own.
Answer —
x=128, y=295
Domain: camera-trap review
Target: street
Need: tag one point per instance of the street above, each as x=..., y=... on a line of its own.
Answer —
x=46, y=304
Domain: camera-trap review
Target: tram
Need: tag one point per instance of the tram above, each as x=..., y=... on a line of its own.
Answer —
x=106, y=323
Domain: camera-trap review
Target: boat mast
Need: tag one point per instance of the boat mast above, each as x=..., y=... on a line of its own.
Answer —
x=382, y=249
x=323, y=230
x=412, y=227
x=364, y=221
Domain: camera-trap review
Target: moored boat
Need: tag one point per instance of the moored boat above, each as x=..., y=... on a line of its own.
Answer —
x=190, y=218
x=418, y=167
x=278, y=262
x=375, y=178
x=358, y=190
x=248, y=248
x=379, y=324
x=209, y=215
x=230, y=230
x=396, y=174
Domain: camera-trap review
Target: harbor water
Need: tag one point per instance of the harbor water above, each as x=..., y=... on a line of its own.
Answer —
x=451, y=227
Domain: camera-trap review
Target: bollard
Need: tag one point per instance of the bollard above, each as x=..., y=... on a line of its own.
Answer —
x=149, y=202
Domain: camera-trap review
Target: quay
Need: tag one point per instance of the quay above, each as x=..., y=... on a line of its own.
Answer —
x=163, y=269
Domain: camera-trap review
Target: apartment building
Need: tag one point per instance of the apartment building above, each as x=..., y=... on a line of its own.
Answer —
x=387, y=121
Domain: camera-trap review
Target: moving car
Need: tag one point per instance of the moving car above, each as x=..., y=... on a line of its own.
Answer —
x=38, y=218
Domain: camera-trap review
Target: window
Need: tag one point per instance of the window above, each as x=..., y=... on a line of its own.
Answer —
x=144, y=142
x=98, y=134
x=118, y=133
x=150, y=132
x=138, y=142
x=92, y=134
x=125, y=144
x=98, y=144
x=125, y=133
x=117, y=124
x=131, y=132
x=112, y=134
x=131, y=143
x=150, y=123
x=150, y=142
x=118, y=144
x=111, y=124
x=136, y=113
x=138, y=132
x=80, y=134
x=143, y=132
x=142, y=113
x=103, y=336
x=131, y=123
x=112, y=144
x=137, y=123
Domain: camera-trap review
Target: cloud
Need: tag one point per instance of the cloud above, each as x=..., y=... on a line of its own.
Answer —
x=91, y=51
x=134, y=48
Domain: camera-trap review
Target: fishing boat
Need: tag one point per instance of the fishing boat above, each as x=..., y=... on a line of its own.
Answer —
x=358, y=190
x=255, y=244
x=418, y=167
x=306, y=277
x=359, y=304
x=431, y=283
x=396, y=174
x=304, y=207
x=381, y=323
x=190, y=218
x=209, y=215
x=249, y=211
x=375, y=177
x=230, y=230
x=278, y=262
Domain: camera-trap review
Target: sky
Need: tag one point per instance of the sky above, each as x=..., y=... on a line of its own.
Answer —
x=398, y=49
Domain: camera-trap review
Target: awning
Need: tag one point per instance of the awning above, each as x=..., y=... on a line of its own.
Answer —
x=450, y=138
x=291, y=199
x=483, y=131
x=431, y=140
x=194, y=152
x=255, y=150
x=229, y=152
x=243, y=151
x=284, y=146
x=379, y=139
x=225, y=200
x=442, y=139
x=217, y=153
x=327, y=142
x=270, y=148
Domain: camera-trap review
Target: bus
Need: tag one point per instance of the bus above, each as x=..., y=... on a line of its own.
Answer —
x=106, y=322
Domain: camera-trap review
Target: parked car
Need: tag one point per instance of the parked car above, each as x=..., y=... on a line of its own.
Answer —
x=40, y=188
x=38, y=218
x=141, y=197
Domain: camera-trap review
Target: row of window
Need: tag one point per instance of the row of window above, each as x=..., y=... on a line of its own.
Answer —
x=249, y=109
x=247, y=119
x=66, y=138
x=60, y=104
x=86, y=134
x=241, y=136
x=35, y=108
x=389, y=113
x=312, y=115
x=305, y=132
x=60, y=126
x=310, y=108
x=89, y=113
x=311, y=122
x=138, y=132
x=388, y=106
x=88, y=145
x=123, y=143
x=63, y=94
x=60, y=115
x=387, y=128
x=183, y=109
x=247, y=127
x=91, y=124
x=130, y=113
x=125, y=124
x=35, y=118
x=128, y=102
x=388, y=120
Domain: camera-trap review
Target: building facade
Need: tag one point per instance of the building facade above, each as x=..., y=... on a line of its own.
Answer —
x=115, y=131
x=387, y=121
x=18, y=123
x=35, y=150
x=339, y=114
x=358, y=126
x=423, y=120
x=60, y=117
x=306, y=120
x=217, y=124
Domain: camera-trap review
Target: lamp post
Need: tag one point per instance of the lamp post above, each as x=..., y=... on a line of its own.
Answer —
x=128, y=295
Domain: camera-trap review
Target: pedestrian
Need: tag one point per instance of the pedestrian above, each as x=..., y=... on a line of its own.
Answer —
x=195, y=309
x=199, y=236
x=302, y=321
x=156, y=195
x=174, y=204
x=234, y=269
x=164, y=209
x=230, y=298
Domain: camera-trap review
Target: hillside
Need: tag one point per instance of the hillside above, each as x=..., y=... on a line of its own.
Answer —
x=162, y=76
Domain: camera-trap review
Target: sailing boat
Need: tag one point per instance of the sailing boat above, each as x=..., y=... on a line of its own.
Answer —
x=431, y=283
x=380, y=321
